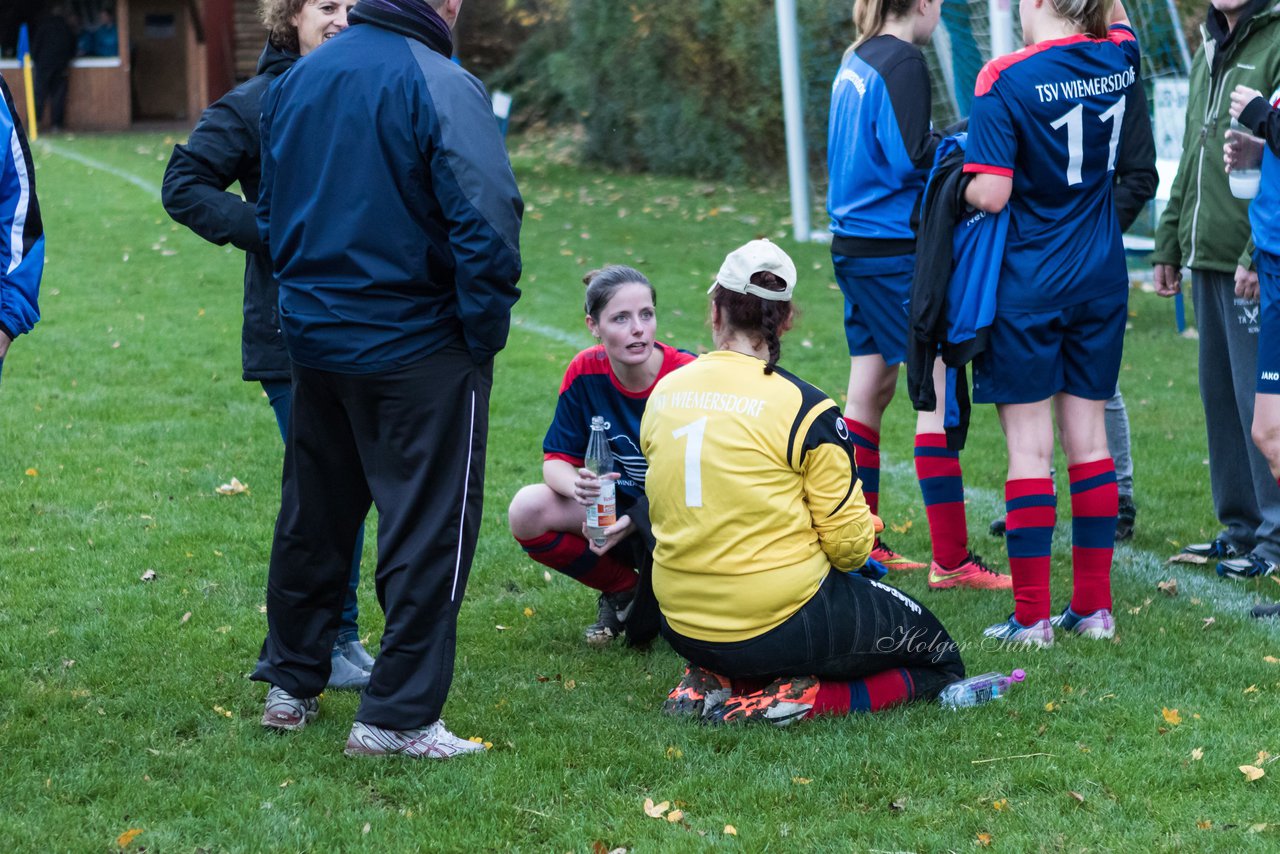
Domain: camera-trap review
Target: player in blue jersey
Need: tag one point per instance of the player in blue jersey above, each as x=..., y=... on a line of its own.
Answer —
x=612, y=379
x=880, y=147
x=1043, y=138
x=1261, y=116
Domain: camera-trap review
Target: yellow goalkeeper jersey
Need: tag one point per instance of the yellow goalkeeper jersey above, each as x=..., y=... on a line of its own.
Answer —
x=753, y=496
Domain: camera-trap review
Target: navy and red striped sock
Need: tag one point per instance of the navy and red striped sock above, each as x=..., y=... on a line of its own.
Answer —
x=568, y=554
x=1094, y=503
x=1030, y=512
x=942, y=486
x=872, y=694
x=866, y=456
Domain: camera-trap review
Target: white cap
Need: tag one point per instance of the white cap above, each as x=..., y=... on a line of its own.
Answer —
x=758, y=256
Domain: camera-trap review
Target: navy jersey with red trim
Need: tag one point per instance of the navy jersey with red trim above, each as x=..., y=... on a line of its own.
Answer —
x=591, y=388
x=1050, y=116
x=880, y=142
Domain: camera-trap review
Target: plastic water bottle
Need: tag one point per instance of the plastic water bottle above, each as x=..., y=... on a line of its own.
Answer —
x=977, y=690
x=1244, y=183
x=599, y=461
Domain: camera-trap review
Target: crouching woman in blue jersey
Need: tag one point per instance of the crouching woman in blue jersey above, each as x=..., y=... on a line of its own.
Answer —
x=1043, y=137
x=612, y=379
x=761, y=528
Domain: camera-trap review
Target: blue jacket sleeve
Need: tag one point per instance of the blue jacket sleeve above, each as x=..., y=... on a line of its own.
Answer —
x=21, y=230
x=472, y=179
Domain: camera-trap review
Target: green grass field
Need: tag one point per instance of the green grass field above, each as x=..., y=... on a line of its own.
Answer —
x=124, y=704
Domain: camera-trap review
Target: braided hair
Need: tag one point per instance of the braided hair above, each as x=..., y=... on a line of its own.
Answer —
x=761, y=320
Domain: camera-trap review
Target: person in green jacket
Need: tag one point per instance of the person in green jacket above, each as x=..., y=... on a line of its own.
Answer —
x=1206, y=229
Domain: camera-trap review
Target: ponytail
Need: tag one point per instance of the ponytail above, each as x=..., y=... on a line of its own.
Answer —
x=869, y=16
x=1093, y=17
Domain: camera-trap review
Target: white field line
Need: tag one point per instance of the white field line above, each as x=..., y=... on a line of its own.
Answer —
x=141, y=183
x=1230, y=600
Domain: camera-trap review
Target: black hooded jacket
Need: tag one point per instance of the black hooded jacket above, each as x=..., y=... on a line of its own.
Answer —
x=225, y=147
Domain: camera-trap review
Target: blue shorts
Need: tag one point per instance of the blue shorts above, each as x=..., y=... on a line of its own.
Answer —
x=1269, y=335
x=876, y=291
x=1033, y=355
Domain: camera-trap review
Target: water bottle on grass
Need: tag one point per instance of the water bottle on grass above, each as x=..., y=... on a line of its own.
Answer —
x=977, y=690
x=599, y=461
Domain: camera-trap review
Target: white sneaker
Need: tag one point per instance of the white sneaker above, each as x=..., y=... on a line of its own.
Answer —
x=287, y=712
x=430, y=742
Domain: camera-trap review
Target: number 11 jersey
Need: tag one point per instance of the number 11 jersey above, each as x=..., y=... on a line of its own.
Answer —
x=1049, y=117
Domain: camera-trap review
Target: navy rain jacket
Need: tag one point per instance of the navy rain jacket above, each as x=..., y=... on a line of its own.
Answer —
x=388, y=205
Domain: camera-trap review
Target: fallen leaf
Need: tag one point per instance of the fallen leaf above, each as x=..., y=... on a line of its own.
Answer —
x=1171, y=716
x=185, y=617
x=149, y=575
x=1252, y=689
x=801, y=781
x=528, y=612
x=674, y=752
x=1252, y=772
x=34, y=473
x=655, y=810
x=501, y=628
x=998, y=805
x=570, y=684
x=1079, y=797
x=1168, y=588
x=128, y=836
x=1197, y=754
x=675, y=815
x=235, y=487
x=1208, y=621
x=1263, y=756
x=285, y=784
x=1257, y=828
x=1271, y=659
x=1204, y=824
x=367, y=827
x=984, y=839
x=903, y=528
x=1050, y=706
x=730, y=830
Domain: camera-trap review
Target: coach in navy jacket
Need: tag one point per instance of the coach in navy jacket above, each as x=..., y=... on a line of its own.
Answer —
x=392, y=219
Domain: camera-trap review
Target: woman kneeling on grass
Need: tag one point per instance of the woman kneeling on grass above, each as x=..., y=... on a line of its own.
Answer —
x=761, y=527
x=1063, y=296
x=612, y=379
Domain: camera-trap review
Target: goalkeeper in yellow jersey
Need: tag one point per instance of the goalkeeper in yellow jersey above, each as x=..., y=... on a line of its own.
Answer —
x=762, y=528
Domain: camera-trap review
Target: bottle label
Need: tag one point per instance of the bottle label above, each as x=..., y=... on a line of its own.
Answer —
x=604, y=512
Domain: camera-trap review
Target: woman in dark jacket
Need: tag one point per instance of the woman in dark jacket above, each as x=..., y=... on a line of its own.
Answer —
x=224, y=148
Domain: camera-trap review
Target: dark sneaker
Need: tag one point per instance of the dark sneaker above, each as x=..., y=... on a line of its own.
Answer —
x=429, y=742
x=1250, y=566
x=779, y=703
x=613, y=609
x=354, y=652
x=1124, y=518
x=1260, y=611
x=1202, y=553
x=287, y=712
x=345, y=676
x=698, y=694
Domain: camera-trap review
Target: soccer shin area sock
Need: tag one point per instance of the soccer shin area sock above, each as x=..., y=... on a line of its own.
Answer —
x=942, y=486
x=876, y=692
x=1030, y=511
x=1094, y=504
x=866, y=456
x=569, y=554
